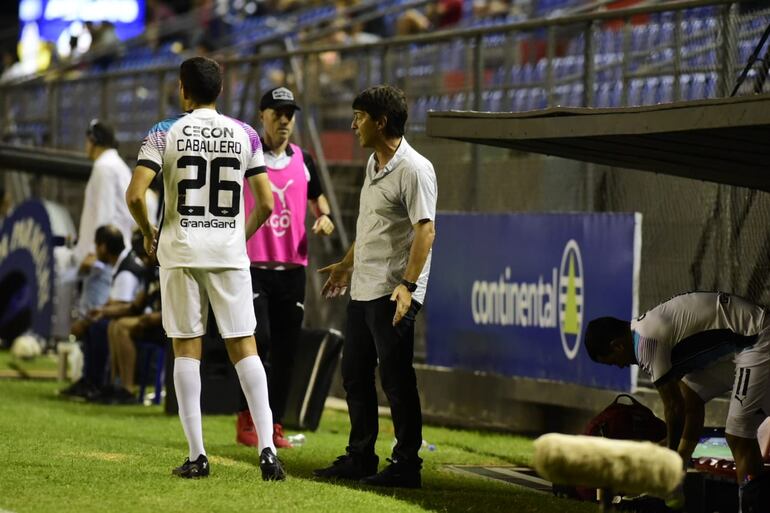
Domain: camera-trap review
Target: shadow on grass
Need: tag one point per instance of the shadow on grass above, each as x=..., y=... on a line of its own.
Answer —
x=442, y=490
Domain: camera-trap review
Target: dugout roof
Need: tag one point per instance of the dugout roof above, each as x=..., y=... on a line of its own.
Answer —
x=45, y=161
x=724, y=140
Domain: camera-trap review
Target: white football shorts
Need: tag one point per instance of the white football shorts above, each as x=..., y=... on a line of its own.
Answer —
x=750, y=400
x=187, y=292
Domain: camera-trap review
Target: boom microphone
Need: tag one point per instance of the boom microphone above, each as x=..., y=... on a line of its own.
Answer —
x=618, y=465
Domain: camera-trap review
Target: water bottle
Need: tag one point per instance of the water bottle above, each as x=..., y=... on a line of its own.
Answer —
x=297, y=440
x=426, y=445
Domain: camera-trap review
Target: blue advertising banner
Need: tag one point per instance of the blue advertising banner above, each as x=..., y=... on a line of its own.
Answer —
x=26, y=264
x=512, y=293
x=54, y=16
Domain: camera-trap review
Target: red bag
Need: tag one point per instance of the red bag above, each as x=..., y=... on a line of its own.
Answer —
x=632, y=421
x=619, y=421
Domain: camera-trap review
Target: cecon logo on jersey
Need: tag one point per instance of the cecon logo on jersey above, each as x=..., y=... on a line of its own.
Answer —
x=571, y=299
x=547, y=303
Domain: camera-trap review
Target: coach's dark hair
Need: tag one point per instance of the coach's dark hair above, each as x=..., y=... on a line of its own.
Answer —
x=201, y=78
x=600, y=332
x=101, y=134
x=384, y=100
x=111, y=237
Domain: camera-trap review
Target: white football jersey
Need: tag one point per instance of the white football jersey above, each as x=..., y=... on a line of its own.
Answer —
x=694, y=331
x=204, y=158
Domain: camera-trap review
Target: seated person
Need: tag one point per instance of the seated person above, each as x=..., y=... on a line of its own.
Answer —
x=695, y=347
x=97, y=270
x=129, y=271
x=141, y=323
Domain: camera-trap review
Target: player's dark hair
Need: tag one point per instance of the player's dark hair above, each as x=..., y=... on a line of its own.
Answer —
x=600, y=333
x=387, y=101
x=111, y=237
x=201, y=78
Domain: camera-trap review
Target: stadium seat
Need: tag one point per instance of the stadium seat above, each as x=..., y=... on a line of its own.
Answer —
x=603, y=95
x=651, y=91
x=153, y=355
x=537, y=99
x=666, y=89
x=635, y=92
x=519, y=99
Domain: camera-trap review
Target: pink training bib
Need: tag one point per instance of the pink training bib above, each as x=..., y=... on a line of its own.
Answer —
x=283, y=237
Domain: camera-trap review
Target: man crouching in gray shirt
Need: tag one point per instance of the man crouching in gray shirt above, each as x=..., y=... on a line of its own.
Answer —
x=387, y=270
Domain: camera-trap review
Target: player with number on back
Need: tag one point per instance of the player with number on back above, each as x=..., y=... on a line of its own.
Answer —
x=201, y=247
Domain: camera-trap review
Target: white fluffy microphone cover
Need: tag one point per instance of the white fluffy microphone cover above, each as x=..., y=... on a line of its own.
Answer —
x=623, y=466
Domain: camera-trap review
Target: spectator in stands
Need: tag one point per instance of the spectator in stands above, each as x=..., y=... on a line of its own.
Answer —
x=697, y=346
x=210, y=26
x=278, y=254
x=103, y=203
x=157, y=13
x=387, y=271
x=439, y=15
x=129, y=271
x=104, y=43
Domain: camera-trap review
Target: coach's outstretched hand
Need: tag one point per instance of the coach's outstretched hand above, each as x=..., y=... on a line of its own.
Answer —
x=338, y=281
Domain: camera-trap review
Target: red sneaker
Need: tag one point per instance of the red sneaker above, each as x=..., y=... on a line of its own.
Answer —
x=245, y=432
x=279, y=440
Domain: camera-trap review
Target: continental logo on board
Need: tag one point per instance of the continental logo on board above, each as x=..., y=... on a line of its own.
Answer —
x=553, y=301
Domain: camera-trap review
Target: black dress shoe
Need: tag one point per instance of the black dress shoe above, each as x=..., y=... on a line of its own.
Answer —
x=396, y=475
x=349, y=466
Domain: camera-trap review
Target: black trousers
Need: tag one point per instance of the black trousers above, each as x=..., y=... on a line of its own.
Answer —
x=372, y=340
x=279, y=307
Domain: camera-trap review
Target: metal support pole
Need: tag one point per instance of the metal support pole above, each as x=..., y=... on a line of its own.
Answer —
x=550, y=80
x=678, y=56
x=162, y=100
x=53, y=112
x=478, y=72
x=478, y=66
x=588, y=66
x=627, y=34
x=726, y=51
x=323, y=168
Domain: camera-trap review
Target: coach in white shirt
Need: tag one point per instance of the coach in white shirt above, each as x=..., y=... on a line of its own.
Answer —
x=104, y=202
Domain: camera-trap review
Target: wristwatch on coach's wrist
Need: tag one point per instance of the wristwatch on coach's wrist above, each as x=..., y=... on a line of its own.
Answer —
x=410, y=285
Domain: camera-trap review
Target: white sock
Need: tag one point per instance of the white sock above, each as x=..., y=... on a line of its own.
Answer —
x=187, y=384
x=251, y=373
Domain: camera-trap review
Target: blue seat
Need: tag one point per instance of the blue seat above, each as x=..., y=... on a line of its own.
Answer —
x=152, y=352
x=698, y=88
x=520, y=99
x=574, y=95
x=603, y=95
x=666, y=89
x=651, y=91
x=536, y=99
x=635, y=92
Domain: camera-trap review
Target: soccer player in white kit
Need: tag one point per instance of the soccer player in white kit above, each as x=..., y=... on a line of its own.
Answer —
x=695, y=347
x=204, y=157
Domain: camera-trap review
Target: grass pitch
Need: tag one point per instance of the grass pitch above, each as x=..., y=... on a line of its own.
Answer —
x=62, y=456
